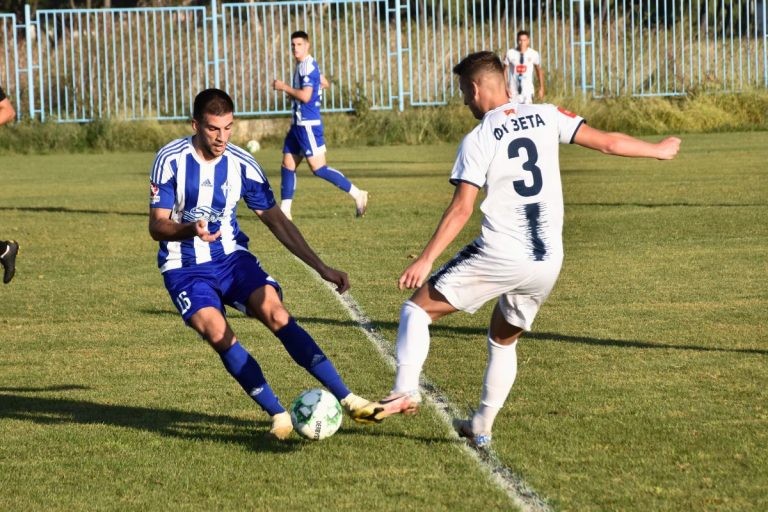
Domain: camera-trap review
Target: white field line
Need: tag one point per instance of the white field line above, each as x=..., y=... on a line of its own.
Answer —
x=522, y=494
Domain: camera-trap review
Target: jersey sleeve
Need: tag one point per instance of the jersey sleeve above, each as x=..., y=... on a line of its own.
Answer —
x=536, y=60
x=162, y=182
x=257, y=193
x=568, y=124
x=309, y=75
x=472, y=162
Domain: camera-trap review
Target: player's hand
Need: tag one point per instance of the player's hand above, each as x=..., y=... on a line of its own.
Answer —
x=201, y=230
x=337, y=277
x=414, y=275
x=278, y=85
x=541, y=94
x=668, y=148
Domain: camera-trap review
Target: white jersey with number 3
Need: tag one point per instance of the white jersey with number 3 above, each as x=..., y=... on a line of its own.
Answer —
x=513, y=153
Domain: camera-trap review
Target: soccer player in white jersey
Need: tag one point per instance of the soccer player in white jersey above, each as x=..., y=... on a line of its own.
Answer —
x=519, y=65
x=9, y=249
x=513, y=155
x=305, y=137
x=195, y=185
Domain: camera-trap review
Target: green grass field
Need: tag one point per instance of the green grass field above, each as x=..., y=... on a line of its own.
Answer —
x=643, y=386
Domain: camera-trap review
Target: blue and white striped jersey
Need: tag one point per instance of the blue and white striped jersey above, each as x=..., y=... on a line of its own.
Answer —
x=194, y=189
x=307, y=74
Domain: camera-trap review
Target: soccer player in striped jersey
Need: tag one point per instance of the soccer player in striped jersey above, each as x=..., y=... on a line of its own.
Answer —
x=195, y=185
x=9, y=249
x=305, y=137
x=513, y=155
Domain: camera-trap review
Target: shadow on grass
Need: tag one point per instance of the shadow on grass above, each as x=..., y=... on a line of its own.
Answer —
x=543, y=336
x=64, y=209
x=166, y=422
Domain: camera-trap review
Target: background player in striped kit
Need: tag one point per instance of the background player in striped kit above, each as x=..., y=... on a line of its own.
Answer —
x=8, y=248
x=195, y=185
x=513, y=155
x=305, y=137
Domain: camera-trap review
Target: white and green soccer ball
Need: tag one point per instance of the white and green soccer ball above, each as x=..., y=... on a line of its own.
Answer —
x=316, y=414
x=252, y=146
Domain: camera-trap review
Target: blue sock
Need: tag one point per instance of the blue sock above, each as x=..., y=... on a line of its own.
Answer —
x=335, y=177
x=309, y=356
x=247, y=372
x=287, y=183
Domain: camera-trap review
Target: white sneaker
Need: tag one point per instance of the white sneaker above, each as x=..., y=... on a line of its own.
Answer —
x=464, y=429
x=361, y=203
x=281, y=426
x=367, y=413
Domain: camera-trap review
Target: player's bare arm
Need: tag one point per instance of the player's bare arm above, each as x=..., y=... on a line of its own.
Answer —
x=303, y=95
x=453, y=221
x=290, y=236
x=324, y=82
x=7, y=112
x=163, y=229
x=620, y=144
x=540, y=75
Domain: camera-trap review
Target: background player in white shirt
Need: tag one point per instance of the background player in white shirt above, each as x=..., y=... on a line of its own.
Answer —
x=513, y=155
x=8, y=248
x=519, y=65
x=305, y=137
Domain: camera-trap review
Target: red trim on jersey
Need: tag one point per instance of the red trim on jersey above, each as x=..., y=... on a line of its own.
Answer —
x=509, y=111
x=566, y=112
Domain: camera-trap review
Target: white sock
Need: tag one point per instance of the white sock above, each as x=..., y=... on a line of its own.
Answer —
x=354, y=191
x=412, y=346
x=285, y=205
x=499, y=376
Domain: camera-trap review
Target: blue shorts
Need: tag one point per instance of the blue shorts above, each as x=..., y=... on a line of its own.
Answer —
x=304, y=140
x=230, y=282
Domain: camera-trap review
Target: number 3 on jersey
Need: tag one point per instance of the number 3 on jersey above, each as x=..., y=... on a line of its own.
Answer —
x=513, y=151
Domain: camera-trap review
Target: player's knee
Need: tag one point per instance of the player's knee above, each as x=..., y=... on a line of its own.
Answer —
x=219, y=339
x=274, y=316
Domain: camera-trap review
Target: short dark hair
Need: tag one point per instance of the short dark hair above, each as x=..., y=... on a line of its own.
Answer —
x=522, y=33
x=212, y=101
x=475, y=63
x=301, y=34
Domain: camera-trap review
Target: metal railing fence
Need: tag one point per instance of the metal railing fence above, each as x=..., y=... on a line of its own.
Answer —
x=76, y=65
x=9, y=58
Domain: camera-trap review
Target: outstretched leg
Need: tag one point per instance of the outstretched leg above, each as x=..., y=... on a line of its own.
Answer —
x=265, y=304
x=318, y=165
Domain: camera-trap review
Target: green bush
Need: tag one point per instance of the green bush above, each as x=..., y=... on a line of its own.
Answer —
x=697, y=112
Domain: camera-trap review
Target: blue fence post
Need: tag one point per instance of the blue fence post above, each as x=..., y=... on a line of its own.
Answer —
x=30, y=73
x=583, y=46
x=215, y=35
x=399, y=36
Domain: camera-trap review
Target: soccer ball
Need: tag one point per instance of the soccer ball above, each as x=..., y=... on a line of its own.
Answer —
x=316, y=414
x=252, y=146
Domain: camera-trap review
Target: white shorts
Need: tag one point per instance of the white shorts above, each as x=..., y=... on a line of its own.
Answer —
x=472, y=278
x=524, y=98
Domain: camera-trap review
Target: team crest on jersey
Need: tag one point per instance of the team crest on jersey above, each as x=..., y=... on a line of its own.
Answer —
x=154, y=193
x=204, y=213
